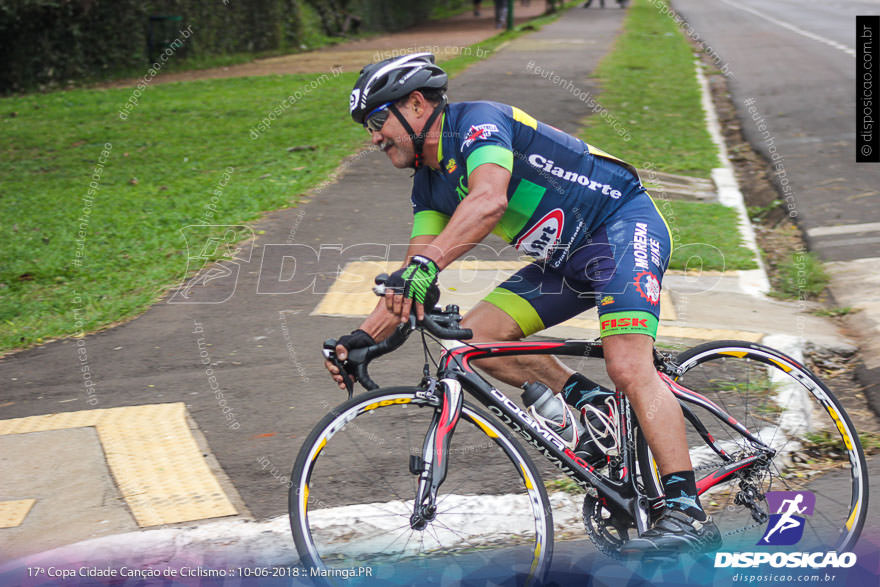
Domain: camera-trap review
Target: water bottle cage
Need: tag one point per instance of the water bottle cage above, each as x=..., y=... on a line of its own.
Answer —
x=551, y=427
x=608, y=438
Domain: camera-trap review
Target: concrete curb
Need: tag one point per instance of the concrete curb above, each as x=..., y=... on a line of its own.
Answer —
x=753, y=282
x=855, y=284
x=245, y=542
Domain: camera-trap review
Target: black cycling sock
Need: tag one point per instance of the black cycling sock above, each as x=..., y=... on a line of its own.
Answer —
x=681, y=494
x=579, y=390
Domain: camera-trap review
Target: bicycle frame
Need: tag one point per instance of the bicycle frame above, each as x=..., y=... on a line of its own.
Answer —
x=621, y=496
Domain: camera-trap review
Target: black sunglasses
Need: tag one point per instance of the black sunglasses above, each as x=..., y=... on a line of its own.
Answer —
x=375, y=120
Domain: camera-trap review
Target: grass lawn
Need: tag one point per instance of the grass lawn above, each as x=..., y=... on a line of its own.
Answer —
x=655, y=120
x=649, y=88
x=184, y=148
x=164, y=164
x=705, y=237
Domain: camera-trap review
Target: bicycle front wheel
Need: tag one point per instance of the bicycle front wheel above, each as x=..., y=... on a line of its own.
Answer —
x=352, y=492
x=817, y=451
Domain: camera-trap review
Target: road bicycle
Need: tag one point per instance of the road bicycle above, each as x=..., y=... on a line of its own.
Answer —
x=417, y=482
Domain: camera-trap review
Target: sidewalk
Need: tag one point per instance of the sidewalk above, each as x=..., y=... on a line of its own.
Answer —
x=262, y=339
x=446, y=38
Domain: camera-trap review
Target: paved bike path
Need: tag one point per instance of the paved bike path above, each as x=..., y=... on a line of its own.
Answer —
x=236, y=362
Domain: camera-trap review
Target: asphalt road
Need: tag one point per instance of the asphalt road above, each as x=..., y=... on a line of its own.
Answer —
x=792, y=65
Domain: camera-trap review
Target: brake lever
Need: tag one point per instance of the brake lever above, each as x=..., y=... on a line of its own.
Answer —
x=329, y=351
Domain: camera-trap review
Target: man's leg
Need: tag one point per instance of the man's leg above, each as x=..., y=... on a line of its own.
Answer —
x=684, y=525
x=629, y=359
x=491, y=323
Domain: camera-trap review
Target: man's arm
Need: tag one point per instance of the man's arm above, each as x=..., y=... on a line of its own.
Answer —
x=473, y=220
x=475, y=216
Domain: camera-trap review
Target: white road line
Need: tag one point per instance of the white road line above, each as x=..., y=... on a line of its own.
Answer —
x=843, y=229
x=794, y=28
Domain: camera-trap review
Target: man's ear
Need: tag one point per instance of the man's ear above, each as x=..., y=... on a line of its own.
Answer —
x=417, y=103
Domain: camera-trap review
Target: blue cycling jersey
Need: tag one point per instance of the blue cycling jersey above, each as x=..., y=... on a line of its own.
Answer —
x=561, y=189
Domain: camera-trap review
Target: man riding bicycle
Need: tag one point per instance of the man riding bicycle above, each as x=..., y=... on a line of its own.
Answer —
x=596, y=236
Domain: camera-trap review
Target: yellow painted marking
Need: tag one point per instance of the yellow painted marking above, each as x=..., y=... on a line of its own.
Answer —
x=320, y=448
x=852, y=516
x=520, y=116
x=351, y=295
x=156, y=462
x=13, y=513
x=669, y=331
x=526, y=477
x=782, y=366
x=462, y=283
x=836, y=418
x=536, y=558
x=489, y=432
x=306, y=497
x=388, y=402
x=737, y=354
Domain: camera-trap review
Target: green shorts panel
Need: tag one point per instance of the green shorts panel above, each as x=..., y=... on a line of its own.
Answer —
x=517, y=308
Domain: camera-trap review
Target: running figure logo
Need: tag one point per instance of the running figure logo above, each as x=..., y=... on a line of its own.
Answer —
x=786, y=526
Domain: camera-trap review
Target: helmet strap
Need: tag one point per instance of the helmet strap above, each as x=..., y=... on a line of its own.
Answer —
x=418, y=140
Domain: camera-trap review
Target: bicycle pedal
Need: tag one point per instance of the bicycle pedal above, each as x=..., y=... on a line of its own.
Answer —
x=416, y=464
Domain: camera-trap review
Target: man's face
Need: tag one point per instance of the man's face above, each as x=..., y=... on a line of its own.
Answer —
x=393, y=140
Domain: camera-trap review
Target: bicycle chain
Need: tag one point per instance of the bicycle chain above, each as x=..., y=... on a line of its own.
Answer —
x=601, y=543
x=742, y=530
x=715, y=466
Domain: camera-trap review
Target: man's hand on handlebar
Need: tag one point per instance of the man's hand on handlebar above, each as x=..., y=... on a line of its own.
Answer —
x=347, y=359
x=411, y=285
x=356, y=340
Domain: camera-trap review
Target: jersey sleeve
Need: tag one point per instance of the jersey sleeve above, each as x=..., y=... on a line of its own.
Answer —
x=426, y=219
x=486, y=136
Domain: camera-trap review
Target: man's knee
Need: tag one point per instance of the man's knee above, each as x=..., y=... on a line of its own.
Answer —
x=623, y=372
x=629, y=361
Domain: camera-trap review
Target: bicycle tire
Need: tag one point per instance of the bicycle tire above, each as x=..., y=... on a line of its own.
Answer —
x=338, y=526
x=818, y=450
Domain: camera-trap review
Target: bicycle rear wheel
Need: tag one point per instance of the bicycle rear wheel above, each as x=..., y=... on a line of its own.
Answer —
x=351, y=497
x=817, y=449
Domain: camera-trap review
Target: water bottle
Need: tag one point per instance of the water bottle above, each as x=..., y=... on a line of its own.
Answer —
x=551, y=411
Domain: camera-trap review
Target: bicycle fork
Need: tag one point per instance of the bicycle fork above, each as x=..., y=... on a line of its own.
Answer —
x=431, y=466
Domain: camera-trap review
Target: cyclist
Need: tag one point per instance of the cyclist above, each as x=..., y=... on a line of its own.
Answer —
x=596, y=235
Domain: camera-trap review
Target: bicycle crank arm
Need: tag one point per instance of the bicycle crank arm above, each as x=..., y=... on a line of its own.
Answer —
x=434, y=461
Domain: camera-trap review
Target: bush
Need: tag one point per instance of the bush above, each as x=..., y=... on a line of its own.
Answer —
x=52, y=42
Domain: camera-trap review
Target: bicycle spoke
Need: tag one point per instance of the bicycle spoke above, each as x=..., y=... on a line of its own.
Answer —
x=373, y=479
x=380, y=478
x=403, y=552
x=458, y=535
x=779, y=407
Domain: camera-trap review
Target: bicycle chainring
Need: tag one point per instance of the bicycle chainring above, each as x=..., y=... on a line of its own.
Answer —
x=604, y=532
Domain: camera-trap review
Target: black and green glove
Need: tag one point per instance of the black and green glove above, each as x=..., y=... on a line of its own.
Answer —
x=414, y=280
